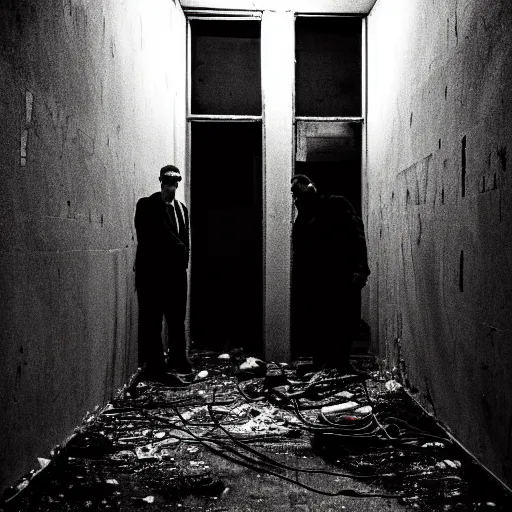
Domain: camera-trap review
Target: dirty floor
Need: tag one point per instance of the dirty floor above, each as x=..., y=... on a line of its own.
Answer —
x=267, y=437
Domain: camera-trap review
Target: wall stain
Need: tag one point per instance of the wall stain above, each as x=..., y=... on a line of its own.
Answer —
x=418, y=240
x=502, y=155
x=456, y=27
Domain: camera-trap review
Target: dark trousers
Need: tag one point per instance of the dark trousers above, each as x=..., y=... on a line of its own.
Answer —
x=167, y=299
x=336, y=321
x=325, y=319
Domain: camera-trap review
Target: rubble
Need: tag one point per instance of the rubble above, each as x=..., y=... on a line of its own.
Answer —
x=392, y=385
x=328, y=434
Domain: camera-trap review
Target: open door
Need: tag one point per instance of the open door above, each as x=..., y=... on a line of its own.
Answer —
x=227, y=236
x=329, y=153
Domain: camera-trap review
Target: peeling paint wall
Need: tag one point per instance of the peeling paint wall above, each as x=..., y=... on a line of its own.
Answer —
x=440, y=210
x=90, y=109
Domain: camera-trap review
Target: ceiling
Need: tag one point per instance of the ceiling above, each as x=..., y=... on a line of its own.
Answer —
x=299, y=6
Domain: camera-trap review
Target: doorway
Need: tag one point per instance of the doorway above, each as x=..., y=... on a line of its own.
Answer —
x=226, y=236
x=329, y=153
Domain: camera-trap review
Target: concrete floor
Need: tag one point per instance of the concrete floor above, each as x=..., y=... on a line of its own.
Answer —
x=157, y=447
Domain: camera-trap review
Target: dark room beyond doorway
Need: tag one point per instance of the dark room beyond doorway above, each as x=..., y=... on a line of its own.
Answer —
x=227, y=236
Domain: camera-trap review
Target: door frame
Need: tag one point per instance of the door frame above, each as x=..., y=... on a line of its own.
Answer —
x=278, y=155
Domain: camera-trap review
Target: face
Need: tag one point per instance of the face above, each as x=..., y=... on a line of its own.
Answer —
x=302, y=193
x=168, y=189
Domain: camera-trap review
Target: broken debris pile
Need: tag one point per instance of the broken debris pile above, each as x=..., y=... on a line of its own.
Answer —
x=154, y=445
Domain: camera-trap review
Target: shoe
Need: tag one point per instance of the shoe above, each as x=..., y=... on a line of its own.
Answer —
x=163, y=377
x=184, y=368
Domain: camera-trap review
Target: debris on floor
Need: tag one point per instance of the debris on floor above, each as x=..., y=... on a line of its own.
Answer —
x=245, y=434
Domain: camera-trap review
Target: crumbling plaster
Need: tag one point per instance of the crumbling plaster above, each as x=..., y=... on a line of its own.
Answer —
x=88, y=115
x=439, y=210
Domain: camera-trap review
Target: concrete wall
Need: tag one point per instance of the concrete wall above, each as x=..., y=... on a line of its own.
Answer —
x=87, y=117
x=440, y=210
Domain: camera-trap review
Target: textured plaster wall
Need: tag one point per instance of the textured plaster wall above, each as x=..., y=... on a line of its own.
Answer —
x=90, y=109
x=440, y=210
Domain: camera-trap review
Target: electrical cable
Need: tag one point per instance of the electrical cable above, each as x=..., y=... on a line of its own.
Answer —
x=343, y=492
x=276, y=463
x=322, y=429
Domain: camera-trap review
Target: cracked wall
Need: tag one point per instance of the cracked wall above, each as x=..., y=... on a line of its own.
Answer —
x=88, y=115
x=440, y=210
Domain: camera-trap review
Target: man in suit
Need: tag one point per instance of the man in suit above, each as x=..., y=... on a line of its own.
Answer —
x=162, y=226
x=329, y=269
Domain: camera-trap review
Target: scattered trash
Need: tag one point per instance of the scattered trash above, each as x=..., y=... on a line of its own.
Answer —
x=22, y=485
x=146, y=452
x=161, y=433
x=344, y=394
x=123, y=455
x=347, y=406
x=366, y=409
x=192, y=412
x=392, y=385
x=252, y=363
x=432, y=445
x=43, y=462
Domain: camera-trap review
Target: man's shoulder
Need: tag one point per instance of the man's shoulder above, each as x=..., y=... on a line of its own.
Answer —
x=152, y=199
x=155, y=198
x=336, y=201
x=336, y=205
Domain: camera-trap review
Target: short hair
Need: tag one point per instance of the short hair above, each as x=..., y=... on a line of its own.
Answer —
x=302, y=179
x=170, y=172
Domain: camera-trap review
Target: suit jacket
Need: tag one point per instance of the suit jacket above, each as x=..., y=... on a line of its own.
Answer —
x=160, y=252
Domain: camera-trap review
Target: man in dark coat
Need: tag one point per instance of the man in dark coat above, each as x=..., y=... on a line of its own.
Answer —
x=329, y=270
x=161, y=263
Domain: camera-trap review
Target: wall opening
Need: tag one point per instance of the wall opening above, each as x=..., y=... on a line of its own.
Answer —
x=227, y=236
x=225, y=67
x=328, y=69
x=329, y=123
